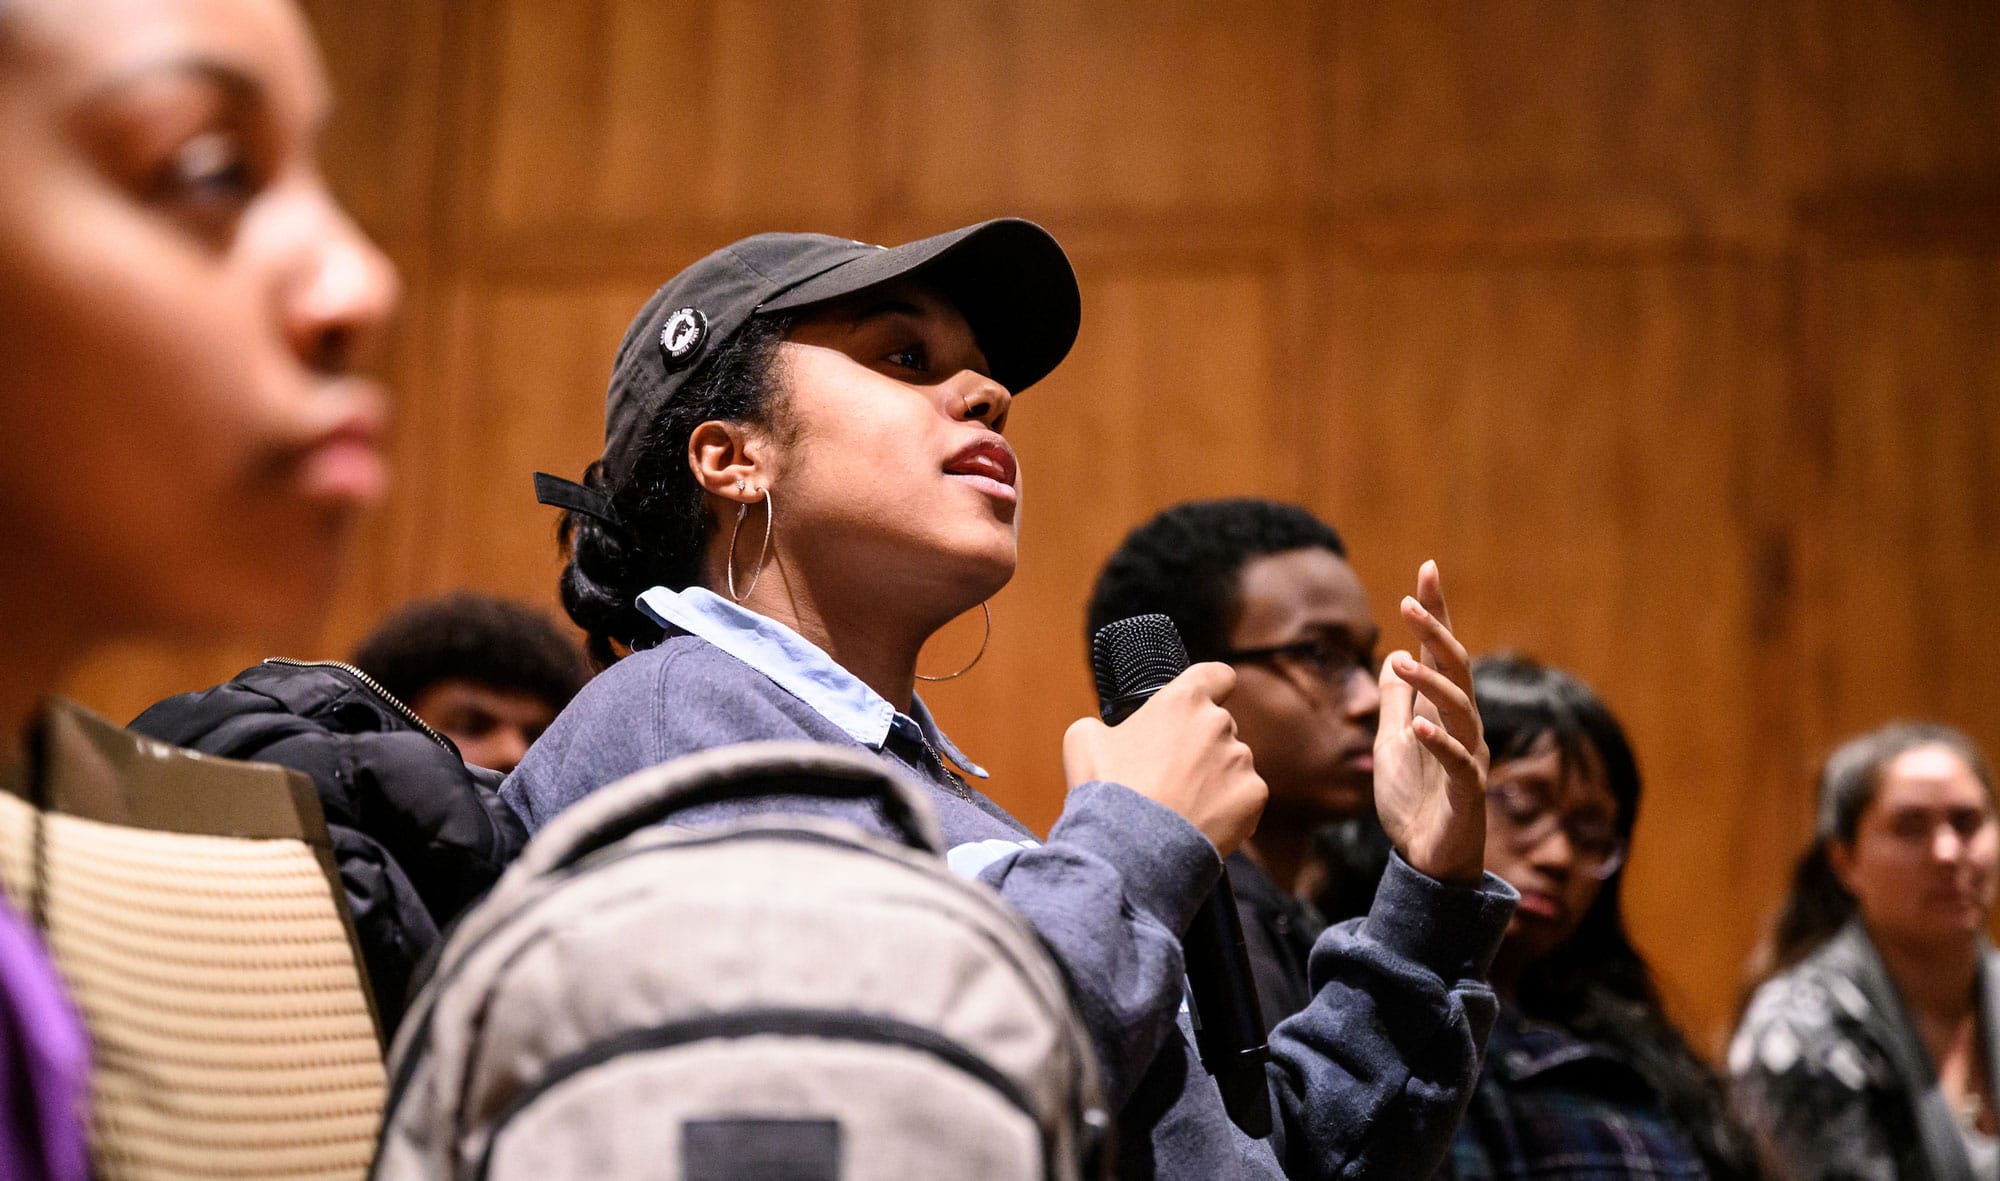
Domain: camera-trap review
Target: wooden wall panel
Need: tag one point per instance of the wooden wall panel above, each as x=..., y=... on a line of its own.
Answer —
x=1900, y=89
x=1119, y=107
x=625, y=110
x=1912, y=522
x=1667, y=327
x=1541, y=100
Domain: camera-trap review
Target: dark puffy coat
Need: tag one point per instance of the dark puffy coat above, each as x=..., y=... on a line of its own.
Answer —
x=418, y=834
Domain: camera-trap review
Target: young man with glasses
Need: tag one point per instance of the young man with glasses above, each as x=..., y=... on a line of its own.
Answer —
x=1265, y=587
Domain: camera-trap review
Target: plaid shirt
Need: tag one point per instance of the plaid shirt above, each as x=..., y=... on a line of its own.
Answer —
x=1550, y=1106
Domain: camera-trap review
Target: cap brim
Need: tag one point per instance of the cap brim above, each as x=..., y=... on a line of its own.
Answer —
x=1008, y=278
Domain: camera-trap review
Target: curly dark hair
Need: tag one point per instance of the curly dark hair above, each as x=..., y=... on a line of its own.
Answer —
x=1185, y=564
x=663, y=522
x=473, y=637
x=1597, y=984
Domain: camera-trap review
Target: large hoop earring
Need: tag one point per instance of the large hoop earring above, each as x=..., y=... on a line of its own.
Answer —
x=983, y=640
x=763, y=549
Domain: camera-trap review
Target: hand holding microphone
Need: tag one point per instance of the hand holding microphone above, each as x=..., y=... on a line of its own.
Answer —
x=1179, y=749
x=1164, y=725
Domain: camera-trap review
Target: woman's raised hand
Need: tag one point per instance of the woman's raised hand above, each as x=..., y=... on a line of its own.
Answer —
x=1430, y=749
x=1179, y=750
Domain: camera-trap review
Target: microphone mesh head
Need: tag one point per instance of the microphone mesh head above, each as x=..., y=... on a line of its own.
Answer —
x=1136, y=657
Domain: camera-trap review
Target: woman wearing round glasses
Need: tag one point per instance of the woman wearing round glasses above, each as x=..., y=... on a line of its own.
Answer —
x=1584, y=1073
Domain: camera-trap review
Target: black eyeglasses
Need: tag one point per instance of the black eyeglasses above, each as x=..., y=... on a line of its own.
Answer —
x=1525, y=818
x=1330, y=657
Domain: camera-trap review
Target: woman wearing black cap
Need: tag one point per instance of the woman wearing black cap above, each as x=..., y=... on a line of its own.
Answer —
x=805, y=477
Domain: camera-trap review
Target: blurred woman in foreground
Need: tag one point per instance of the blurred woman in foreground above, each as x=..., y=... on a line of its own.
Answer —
x=181, y=302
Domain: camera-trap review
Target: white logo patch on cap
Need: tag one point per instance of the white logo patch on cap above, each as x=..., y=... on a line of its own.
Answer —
x=682, y=336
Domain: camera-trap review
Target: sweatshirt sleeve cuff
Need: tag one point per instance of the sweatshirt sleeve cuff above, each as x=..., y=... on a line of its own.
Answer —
x=1452, y=930
x=1166, y=864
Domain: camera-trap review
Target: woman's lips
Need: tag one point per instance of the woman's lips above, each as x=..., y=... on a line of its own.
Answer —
x=989, y=466
x=1536, y=905
x=345, y=470
x=343, y=464
x=989, y=486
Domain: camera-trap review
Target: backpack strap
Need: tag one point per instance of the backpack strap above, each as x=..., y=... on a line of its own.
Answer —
x=726, y=773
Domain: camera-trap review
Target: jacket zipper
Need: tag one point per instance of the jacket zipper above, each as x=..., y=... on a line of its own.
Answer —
x=373, y=686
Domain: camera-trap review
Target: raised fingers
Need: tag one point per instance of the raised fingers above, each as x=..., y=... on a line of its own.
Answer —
x=1461, y=767
x=1430, y=591
x=1440, y=648
x=1398, y=697
x=1453, y=704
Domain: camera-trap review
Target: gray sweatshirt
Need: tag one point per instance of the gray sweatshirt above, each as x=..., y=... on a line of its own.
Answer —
x=1370, y=1080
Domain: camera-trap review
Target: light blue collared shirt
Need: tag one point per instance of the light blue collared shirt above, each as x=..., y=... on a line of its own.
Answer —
x=799, y=667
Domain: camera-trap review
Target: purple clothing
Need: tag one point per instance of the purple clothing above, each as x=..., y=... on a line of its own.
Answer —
x=44, y=1064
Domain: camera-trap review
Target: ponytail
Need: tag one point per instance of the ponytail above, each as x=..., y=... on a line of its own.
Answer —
x=659, y=524
x=1817, y=907
x=602, y=580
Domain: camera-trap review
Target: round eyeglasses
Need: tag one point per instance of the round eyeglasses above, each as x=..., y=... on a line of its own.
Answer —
x=1525, y=817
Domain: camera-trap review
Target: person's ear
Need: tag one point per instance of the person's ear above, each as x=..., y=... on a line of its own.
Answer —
x=731, y=461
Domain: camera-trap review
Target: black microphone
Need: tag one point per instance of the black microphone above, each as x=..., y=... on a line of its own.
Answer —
x=1134, y=659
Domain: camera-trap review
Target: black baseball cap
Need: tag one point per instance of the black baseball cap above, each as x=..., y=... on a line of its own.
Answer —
x=1007, y=277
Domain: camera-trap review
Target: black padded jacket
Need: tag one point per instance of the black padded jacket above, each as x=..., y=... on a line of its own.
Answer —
x=418, y=834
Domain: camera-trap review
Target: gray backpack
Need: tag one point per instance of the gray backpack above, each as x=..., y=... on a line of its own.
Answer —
x=783, y=997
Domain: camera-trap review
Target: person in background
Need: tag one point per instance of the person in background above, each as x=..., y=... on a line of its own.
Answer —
x=1585, y=1074
x=1265, y=587
x=1870, y=1047
x=183, y=306
x=488, y=673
